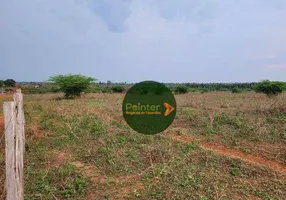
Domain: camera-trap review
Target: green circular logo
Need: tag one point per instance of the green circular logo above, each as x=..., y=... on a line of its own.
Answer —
x=149, y=107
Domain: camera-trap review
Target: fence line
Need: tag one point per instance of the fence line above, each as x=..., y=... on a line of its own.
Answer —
x=14, y=146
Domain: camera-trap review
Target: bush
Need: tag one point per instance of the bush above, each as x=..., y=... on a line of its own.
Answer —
x=204, y=90
x=106, y=90
x=181, y=89
x=10, y=83
x=72, y=85
x=93, y=89
x=236, y=90
x=117, y=88
x=269, y=88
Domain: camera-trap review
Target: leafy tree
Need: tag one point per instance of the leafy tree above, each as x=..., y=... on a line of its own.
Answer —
x=268, y=87
x=72, y=85
x=181, y=89
x=10, y=83
x=1, y=83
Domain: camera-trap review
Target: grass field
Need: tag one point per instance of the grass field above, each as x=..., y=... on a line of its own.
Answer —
x=220, y=146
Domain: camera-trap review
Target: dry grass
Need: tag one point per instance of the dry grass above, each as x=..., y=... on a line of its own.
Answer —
x=83, y=149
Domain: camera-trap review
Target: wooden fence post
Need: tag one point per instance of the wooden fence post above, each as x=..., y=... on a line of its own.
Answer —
x=14, y=147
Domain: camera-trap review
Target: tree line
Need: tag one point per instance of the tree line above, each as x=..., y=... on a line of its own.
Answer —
x=74, y=84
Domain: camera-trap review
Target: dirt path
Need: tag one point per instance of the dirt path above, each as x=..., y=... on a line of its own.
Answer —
x=248, y=158
x=218, y=149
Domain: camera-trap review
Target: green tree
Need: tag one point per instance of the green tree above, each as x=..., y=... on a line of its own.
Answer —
x=10, y=83
x=72, y=85
x=268, y=87
x=181, y=89
x=1, y=83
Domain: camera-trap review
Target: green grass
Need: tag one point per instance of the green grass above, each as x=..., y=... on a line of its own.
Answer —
x=114, y=162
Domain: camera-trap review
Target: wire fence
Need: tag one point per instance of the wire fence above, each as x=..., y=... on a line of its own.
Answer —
x=14, y=132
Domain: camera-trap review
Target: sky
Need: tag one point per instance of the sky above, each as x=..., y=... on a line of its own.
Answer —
x=137, y=40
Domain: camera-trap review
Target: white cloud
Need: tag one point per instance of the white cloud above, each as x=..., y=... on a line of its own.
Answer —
x=208, y=40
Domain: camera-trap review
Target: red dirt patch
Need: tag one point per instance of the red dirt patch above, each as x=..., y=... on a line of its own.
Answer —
x=90, y=172
x=245, y=157
x=37, y=133
x=5, y=96
x=216, y=148
x=132, y=188
x=60, y=158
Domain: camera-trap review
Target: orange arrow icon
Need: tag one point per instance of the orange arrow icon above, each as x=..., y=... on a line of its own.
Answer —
x=169, y=109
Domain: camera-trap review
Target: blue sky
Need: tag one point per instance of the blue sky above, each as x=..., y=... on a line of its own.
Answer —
x=137, y=40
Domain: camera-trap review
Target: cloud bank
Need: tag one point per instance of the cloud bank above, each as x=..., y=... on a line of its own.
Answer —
x=136, y=40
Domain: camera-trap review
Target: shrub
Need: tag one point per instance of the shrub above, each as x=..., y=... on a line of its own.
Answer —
x=106, y=90
x=203, y=90
x=40, y=90
x=93, y=89
x=236, y=90
x=193, y=90
x=117, y=88
x=269, y=88
x=181, y=89
x=72, y=85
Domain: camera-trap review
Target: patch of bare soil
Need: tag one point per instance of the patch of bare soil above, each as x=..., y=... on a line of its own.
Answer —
x=93, y=174
x=136, y=186
x=36, y=132
x=5, y=96
x=60, y=158
x=90, y=172
x=218, y=149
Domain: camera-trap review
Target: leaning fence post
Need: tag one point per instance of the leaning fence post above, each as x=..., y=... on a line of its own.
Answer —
x=14, y=147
